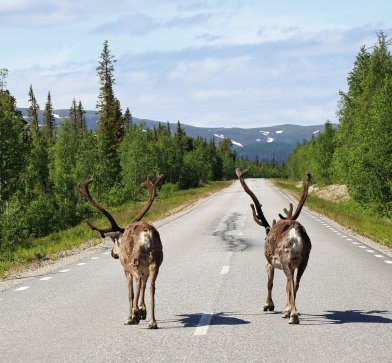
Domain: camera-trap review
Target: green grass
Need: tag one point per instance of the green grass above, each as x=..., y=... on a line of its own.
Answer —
x=347, y=213
x=18, y=257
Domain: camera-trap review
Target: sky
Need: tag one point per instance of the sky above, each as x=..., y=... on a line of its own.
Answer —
x=208, y=63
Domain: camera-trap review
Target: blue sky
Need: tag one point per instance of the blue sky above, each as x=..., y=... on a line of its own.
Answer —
x=220, y=63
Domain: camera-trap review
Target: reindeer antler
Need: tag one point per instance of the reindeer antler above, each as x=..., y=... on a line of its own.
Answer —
x=152, y=193
x=258, y=215
x=85, y=194
x=301, y=202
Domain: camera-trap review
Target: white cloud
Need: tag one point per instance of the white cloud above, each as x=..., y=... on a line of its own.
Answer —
x=209, y=63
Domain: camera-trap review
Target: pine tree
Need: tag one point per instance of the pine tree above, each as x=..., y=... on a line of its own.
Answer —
x=110, y=124
x=73, y=113
x=32, y=112
x=48, y=122
x=127, y=119
x=77, y=115
x=37, y=172
x=81, y=117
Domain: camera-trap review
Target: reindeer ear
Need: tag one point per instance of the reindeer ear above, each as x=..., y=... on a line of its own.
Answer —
x=113, y=235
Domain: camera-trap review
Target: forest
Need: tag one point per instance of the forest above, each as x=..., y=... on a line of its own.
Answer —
x=359, y=152
x=40, y=165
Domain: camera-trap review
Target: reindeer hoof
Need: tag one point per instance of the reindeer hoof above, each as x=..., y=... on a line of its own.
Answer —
x=143, y=314
x=153, y=325
x=286, y=314
x=268, y=307
x=132, y=321
x=294, y=319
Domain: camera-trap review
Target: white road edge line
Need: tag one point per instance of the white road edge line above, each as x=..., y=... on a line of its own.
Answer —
x=204, y=324
x=22, y=288
x=225, y=270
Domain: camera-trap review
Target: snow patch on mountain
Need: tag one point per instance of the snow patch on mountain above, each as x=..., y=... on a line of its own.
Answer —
x=266, y=133
x=279, y=132
x=232, y=141
x=55, y=115
x=270, y=139
x=316, y=132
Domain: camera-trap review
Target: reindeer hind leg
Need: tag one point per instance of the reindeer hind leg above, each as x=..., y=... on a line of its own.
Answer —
x=269, y=304
x=154, y=269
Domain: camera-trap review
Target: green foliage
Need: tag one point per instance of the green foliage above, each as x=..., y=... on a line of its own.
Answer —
x=63, y=174
x=359, y=152
x=13, y=147
x=364, y=140
x=111, y=126
x=48, y=128
x=137, y=161
x=13, y=223
x=41, y=166
x=36, y=176
x=363, y=220
x=41, y=216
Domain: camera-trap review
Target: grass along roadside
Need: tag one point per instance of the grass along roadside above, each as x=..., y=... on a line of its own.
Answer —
x=34, y=253
x=347, y=213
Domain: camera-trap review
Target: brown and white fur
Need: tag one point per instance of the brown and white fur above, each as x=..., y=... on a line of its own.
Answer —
x=287, y=247
x=139, y=249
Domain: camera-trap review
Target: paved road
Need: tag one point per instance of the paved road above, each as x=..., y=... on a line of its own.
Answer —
x=210, y=293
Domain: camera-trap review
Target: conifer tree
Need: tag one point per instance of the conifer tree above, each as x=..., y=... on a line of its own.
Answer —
x=32, y=112
x=37, y=172
x=127, y=119
x=110, y=124
x=48, y=122
x=73, y=113
x=81, y=117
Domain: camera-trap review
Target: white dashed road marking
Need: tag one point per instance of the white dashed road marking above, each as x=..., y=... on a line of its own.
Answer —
x=204, y=324
x=225, y=270
x=94, y=258
x=46, y=278
x=22, y=288
x=377, y=255
x=389, y=262
x=66, y=270
x=81, y=264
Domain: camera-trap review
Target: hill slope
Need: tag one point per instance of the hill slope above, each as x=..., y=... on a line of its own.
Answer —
x=264, y=143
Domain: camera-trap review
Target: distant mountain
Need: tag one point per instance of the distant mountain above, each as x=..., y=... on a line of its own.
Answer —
x=264, y=143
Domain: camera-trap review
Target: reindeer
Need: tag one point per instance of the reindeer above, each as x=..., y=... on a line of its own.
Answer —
x=287, y=247
x=139, y=249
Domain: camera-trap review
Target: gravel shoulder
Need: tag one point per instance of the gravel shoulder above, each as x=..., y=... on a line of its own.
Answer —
x=333, y=193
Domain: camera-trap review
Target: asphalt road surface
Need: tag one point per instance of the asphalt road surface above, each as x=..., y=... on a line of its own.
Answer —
x=209, y=297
